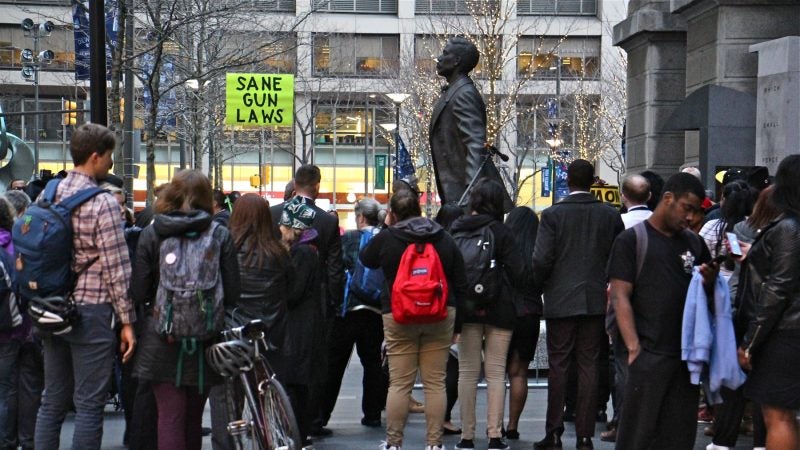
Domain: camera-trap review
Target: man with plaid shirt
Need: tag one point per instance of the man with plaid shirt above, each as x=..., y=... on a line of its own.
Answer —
x=78, y=364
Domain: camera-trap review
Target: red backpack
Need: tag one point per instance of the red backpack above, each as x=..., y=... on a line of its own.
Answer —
x=419, y=292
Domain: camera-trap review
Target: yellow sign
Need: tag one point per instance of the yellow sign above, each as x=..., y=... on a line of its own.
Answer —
x=257, y=99
x=607, y=194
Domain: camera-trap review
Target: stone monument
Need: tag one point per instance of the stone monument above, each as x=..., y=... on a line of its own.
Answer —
x=777, y=100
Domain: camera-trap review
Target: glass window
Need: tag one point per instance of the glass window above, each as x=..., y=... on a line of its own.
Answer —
x=273, y=5
x=557, y=7
x=356, y=55
x=274, y=52
x=427, y=47
x=61, y=41
x=575, y=124
x=539, y=57
x=464, y=7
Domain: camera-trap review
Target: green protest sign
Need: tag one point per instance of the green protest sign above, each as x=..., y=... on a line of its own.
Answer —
x=257, y=99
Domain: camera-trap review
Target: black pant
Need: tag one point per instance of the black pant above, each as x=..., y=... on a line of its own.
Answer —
x=298, y=397
x=143, y=429
x=660, y=409
x=604, y=378
x=29, y=393
x=582, y=337
x=620, y=369
x=728, y=417
x=364, y=329
x=451, y=385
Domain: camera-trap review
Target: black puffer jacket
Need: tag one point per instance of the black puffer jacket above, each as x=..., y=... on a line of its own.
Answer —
x=508, y=255
x=156, y=359
x=773, y=281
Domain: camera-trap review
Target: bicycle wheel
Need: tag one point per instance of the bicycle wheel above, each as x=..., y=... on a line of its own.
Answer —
x=281, y=430
x=244, y=425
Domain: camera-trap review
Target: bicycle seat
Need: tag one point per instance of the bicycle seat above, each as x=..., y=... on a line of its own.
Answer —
x=255, y=330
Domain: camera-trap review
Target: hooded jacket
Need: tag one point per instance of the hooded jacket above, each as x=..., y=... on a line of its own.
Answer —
x=156, y=359
x=502, y=313
x=385, y=250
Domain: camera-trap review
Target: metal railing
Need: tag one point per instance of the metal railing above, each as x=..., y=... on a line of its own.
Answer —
x=356, y=6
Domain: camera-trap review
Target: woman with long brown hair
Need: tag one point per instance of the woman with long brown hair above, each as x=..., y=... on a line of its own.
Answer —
x=179, y=377
x=264, y=267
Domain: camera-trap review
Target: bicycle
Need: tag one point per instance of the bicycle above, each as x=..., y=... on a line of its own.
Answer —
x=265, y=421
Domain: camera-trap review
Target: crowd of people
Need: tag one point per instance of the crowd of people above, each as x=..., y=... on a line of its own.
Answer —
x=622, y=294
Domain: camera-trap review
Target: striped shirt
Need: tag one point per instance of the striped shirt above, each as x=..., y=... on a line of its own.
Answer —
x=101, y=255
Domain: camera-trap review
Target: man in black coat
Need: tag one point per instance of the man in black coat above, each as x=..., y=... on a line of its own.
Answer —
x=331, y=270
x=458, y=124
x=572, y=246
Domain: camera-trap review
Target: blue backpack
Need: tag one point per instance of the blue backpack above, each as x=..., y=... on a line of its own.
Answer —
x=364, y=283
x=43, y=243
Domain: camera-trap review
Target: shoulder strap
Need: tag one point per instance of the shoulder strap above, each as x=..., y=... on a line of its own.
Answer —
x=78, y=198
x=641, y=245
x=49, y=194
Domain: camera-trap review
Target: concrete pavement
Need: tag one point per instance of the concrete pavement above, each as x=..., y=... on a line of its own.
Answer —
x=349, y=434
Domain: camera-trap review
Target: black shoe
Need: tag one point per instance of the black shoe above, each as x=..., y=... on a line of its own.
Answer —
x=569, y=415
x=372, y=423
x=550, y=442
x=602, y=417
x=320, y=432
x=512, y=434
x=206, y=431
x=451, y=431
x=498, y=444
x=584, y=443
x=465, y=444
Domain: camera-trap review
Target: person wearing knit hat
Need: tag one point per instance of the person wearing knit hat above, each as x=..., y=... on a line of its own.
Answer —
x=299, y=238
x=297, y=215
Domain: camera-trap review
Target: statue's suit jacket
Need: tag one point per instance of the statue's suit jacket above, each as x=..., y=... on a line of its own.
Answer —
x=457, y=138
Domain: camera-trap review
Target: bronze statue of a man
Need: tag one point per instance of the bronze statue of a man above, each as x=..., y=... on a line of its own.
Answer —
x=458, y=124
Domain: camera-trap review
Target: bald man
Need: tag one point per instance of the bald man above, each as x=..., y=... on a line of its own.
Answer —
x=635, y=194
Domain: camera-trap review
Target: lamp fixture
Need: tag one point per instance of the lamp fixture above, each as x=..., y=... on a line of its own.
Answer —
x=45, y=28
x=46, y=56
x=397, y=98
x=27, y=24
x=28, y=72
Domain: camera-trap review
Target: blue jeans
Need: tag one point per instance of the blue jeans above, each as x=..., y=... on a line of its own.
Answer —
x=77, y=366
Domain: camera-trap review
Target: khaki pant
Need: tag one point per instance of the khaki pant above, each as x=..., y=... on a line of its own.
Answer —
x=411, y=347
x=473, y=336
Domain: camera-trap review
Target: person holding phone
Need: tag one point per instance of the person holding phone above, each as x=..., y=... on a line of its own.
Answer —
x=771, y=346
x=736, y=204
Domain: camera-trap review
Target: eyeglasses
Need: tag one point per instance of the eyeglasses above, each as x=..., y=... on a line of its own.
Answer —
x=18, y=188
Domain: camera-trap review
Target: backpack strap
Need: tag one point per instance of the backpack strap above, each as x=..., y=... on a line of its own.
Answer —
x=640, y=229
x=77, y=199
x=49, y=194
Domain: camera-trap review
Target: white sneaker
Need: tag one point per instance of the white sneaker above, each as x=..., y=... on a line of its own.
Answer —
x=435, y=447
x=713, y=446
x=385, y=446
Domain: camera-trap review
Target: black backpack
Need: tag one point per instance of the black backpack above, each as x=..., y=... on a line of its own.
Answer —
x=478, y=248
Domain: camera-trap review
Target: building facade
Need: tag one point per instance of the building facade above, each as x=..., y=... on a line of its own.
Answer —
x=346, y=55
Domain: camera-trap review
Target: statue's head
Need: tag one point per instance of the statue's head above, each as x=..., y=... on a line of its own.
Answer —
x=458, y=56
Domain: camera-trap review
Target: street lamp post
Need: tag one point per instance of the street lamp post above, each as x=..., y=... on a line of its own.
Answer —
x=396, y=98
x=31, y=64
x=554, y=140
